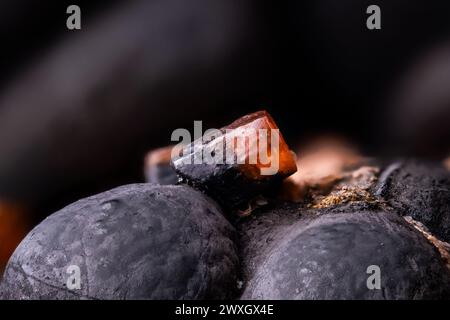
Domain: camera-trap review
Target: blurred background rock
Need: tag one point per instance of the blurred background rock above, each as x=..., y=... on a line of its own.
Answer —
x=79, y=109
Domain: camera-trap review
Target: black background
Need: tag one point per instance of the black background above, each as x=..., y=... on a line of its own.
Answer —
x=312, y=64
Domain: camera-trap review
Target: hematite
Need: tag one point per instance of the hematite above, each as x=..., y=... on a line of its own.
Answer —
x=327, y=258
x=139, y=241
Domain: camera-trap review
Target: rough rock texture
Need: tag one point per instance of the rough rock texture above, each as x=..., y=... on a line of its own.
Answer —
x=138, y=241
x=443, y=247
x=420, y=190
x=328, y=257
x=348, y=192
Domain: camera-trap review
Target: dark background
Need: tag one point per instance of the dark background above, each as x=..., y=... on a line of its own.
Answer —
x=79, y=109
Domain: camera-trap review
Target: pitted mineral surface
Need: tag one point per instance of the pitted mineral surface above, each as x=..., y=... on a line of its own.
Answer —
x=420, y=190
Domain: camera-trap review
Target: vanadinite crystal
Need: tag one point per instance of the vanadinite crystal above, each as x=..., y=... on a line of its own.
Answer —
x=238, y=162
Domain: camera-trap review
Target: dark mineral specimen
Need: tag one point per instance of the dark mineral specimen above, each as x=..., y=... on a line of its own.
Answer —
x=139, y=241
x=238, y=162
x=333, y=257
x=420, y=190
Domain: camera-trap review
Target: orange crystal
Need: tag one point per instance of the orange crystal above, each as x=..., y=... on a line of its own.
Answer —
x=255, y=122
x=246, y=159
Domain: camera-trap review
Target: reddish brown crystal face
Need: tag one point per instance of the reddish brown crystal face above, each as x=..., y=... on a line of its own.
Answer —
x=158, y=156
x=239, y=162
x=261, y=152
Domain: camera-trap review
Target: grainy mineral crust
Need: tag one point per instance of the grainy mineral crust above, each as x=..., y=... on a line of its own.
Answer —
x=139, y=241
x=420, y=190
